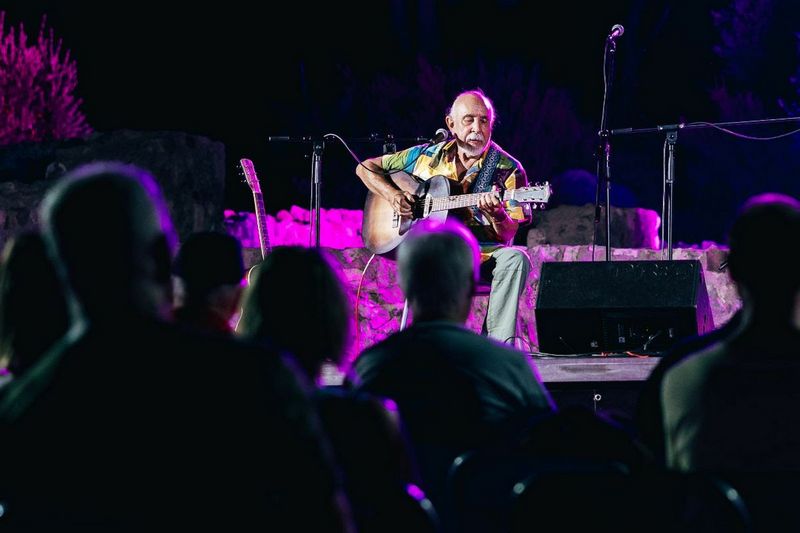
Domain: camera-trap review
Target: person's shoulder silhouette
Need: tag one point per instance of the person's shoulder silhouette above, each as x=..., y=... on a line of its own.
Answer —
x=154, y=424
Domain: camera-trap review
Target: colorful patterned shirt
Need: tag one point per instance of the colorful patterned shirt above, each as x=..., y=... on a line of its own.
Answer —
x=424, y=162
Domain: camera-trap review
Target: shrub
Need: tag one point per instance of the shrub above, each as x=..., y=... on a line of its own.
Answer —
x=37, y=85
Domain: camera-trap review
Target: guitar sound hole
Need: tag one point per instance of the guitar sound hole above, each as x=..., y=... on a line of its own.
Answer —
x=418, y=208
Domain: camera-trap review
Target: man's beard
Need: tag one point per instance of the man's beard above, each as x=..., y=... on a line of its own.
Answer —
x=470, y=150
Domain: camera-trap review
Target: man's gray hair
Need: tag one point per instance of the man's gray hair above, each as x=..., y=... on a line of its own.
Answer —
x=438, y=265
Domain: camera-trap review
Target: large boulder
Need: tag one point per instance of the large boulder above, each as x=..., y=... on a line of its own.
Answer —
x=189, y=168
x=631, y=227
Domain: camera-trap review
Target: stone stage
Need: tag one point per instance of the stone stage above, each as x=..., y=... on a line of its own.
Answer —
x=378, y=301
x=609, y=383
x=604, y=382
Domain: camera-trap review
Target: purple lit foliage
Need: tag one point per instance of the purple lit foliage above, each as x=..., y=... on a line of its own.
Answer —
x=761, y=78
x=37, y=85
x=742, y=29
x=792, y=105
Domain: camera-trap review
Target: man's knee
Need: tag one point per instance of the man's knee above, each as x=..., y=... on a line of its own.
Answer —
x=512, y=259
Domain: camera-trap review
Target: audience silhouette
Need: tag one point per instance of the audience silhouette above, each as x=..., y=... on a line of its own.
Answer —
x=296, y=302
x=647, y=418
x=131, y=423
x=732, y=407
x=455, y=390
x=210, y=270
x=119, y=418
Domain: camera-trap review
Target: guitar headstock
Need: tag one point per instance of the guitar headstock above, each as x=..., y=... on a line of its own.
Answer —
x=250, y=175
x=537, y=195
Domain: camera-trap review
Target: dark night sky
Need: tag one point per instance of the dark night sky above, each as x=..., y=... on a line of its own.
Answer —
x=224, y=72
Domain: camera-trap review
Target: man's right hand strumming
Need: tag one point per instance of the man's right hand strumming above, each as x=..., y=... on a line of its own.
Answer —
x=372, y=175
x=402, y=202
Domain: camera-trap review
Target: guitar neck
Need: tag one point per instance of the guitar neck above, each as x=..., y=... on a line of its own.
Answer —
x=462, y=200
x=261, y=219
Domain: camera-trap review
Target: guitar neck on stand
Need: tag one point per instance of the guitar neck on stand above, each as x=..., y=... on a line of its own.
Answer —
x=258, y=200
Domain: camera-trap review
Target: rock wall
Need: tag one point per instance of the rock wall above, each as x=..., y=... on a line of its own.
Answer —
x=189, y=168
x=373, y=285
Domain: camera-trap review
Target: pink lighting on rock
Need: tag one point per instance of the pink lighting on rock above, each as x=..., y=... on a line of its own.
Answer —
x=339, y=228
x=380, y=300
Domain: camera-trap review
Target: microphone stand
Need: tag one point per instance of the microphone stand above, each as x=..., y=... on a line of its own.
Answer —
x=670, y=141
x=667, y=192
x=604, y=146
x=316, y=178
x=318, y=147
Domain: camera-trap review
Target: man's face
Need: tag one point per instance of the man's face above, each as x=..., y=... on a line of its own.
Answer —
x=470, y=122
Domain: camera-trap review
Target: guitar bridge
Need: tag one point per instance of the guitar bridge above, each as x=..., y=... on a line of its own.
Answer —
x=396, y=220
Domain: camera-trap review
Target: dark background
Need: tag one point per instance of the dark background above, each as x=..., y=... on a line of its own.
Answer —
x=239, y=73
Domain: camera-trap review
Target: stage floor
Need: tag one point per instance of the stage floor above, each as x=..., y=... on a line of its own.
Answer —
x=584, y=368
x=608, y=384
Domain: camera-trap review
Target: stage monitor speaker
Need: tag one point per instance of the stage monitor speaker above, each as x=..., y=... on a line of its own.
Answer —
x=618, y=306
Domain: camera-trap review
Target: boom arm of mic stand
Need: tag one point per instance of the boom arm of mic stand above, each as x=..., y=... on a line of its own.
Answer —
x=669, y=162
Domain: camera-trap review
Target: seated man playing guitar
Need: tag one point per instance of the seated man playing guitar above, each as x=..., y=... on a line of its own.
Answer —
x=472, y=164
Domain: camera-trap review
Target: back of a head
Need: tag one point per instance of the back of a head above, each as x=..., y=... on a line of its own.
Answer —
x=297, y=302
x=108, y=229
x=766, y=223
x=208, y=260
x=438, y=265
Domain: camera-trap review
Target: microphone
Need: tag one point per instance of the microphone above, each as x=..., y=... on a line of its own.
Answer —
x=441, y=135
x=616, y=31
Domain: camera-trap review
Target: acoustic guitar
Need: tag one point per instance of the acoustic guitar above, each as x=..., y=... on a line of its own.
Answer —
x=261, y=214
x=383, y=229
